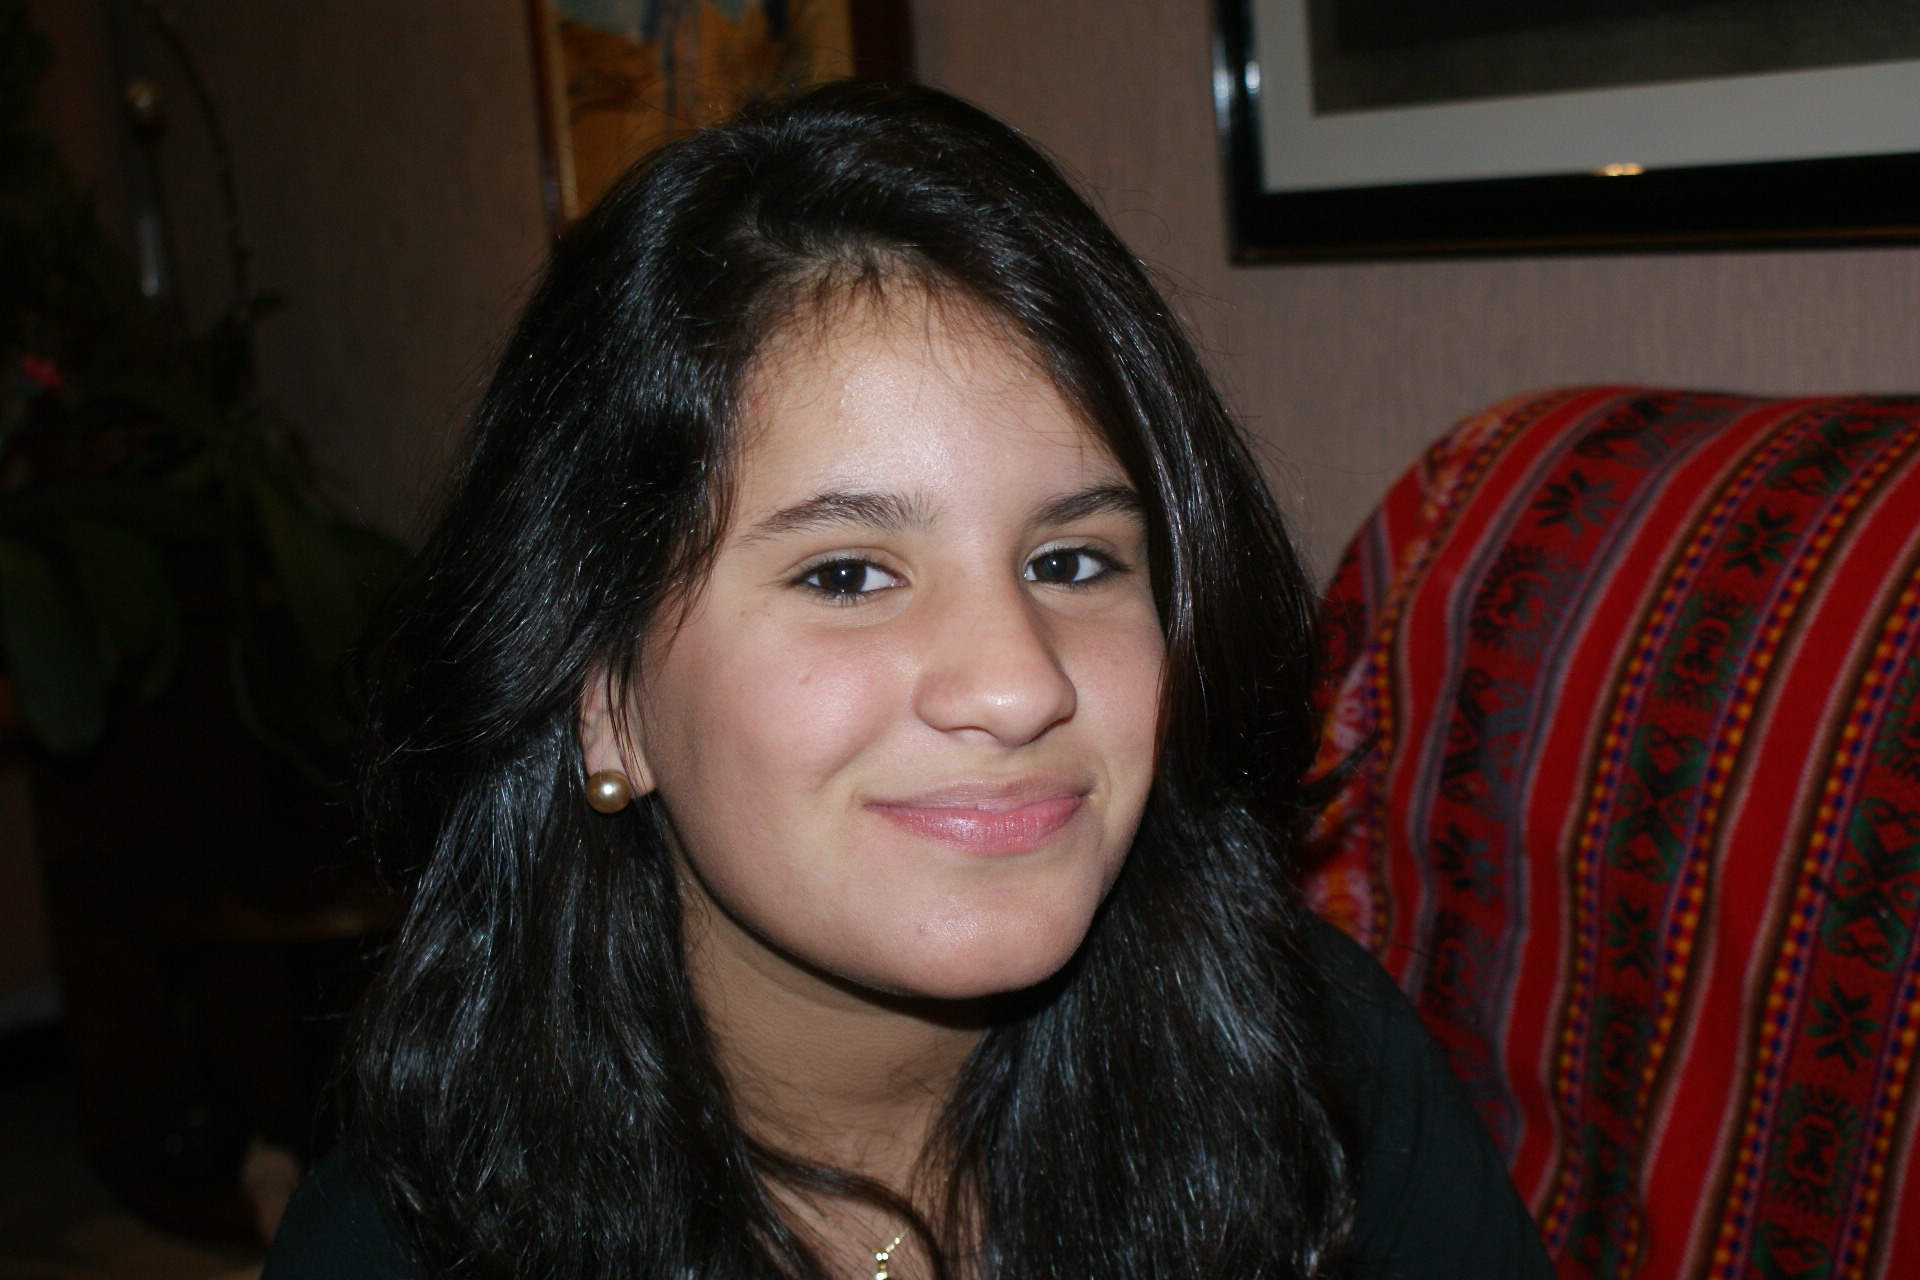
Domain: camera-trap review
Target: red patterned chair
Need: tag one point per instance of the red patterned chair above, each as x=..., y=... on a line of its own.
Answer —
x=1638, y=824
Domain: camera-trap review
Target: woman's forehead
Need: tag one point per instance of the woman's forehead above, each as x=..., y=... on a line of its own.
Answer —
x=915, y=395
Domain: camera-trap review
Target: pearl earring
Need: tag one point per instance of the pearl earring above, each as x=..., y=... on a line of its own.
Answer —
x=608, y=791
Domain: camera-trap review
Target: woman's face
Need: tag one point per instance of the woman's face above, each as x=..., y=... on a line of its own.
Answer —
x=906, y=730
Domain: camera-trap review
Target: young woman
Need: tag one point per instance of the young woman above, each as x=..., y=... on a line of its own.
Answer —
x=847, y=729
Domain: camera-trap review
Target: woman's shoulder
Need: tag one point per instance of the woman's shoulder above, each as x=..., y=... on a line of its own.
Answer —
x=335, y=1229
x=1363, y=997
x=1432, y=1195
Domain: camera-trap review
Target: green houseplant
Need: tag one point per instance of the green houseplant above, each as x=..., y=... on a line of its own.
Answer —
x=145, y=481
x=174, y=591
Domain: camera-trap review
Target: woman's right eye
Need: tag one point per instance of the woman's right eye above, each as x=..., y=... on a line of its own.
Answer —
x=847, y=580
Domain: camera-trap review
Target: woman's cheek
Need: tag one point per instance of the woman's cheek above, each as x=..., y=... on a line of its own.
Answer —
x=809, y=705
x=1117, y=666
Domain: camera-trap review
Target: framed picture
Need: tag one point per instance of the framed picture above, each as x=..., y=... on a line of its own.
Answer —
x=618, y=78
x=1381, y=128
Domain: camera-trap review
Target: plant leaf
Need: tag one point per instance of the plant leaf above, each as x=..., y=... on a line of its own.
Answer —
x=374, y=560
x=315, y=577
x=52, y=651
x=134, y=503
x=132, y=599
x=288, y=698
x=173, y=402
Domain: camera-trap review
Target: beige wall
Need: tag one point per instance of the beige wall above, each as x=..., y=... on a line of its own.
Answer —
x=388, y=163
x=1345, y=371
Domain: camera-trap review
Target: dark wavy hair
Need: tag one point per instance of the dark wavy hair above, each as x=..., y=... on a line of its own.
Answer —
x=534, y=1092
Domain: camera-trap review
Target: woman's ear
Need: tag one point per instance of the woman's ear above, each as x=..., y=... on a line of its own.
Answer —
x=603, y=745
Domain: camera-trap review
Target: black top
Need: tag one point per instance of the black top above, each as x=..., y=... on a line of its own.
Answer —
x=1433, y=1203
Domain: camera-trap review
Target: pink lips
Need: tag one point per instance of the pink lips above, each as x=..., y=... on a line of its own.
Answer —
x=987, y=826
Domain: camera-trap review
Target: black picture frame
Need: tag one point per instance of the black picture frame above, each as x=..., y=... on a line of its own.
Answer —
x=1833, y=201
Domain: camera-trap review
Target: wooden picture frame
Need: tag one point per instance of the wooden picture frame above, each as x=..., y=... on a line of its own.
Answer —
x=617, y=78
x=1817, y=153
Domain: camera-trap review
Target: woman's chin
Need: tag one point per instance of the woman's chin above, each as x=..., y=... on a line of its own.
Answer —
x=975, y=968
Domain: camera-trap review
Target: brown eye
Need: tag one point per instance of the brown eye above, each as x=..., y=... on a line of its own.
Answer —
x=1065, y=567
x=846, y=580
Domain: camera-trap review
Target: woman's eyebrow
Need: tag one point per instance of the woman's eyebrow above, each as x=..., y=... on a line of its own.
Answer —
x=1100, y=500
x=893, y=513
x=886, y=511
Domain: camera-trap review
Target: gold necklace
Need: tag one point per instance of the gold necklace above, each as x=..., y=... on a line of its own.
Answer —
x=883, y=1258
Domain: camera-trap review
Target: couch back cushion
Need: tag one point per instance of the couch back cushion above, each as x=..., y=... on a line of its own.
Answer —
x=1636, y=674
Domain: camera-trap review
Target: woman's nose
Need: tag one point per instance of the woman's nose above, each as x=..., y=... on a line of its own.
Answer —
x=989, y=667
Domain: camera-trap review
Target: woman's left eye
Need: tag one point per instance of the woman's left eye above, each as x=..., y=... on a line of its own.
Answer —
x=1069, y=566
x=847, y=580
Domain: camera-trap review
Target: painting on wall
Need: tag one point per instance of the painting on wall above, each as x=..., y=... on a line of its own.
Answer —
x=620, y=77
x=1367, y=128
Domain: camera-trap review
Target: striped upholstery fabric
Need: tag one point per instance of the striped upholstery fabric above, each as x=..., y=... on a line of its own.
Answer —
x=1639, y=826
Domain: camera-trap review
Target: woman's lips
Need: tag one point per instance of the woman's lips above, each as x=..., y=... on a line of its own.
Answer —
x=1014, y=828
